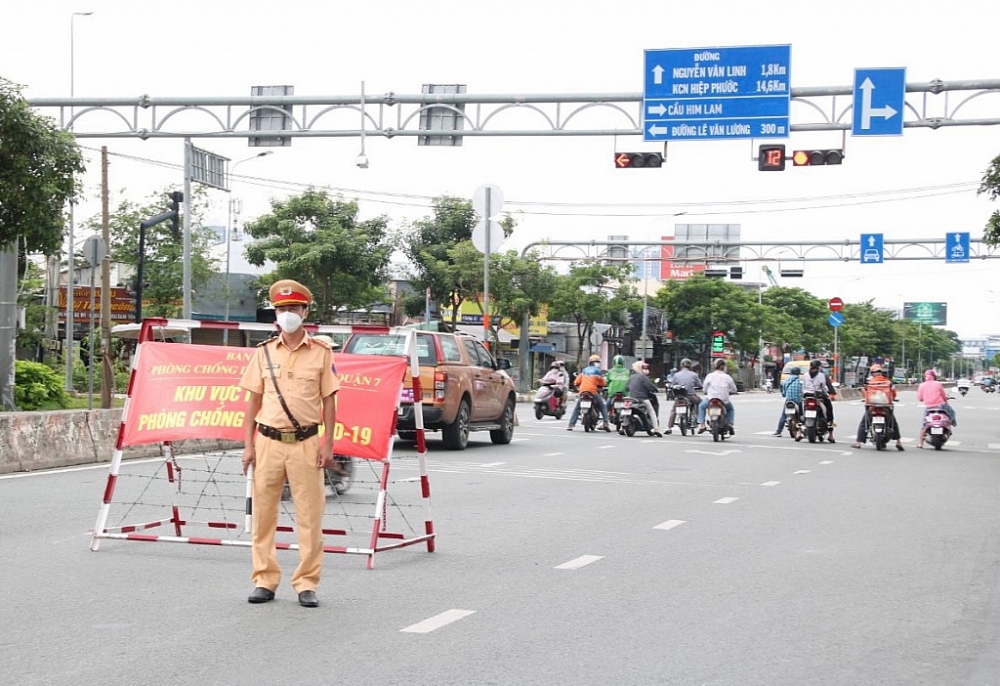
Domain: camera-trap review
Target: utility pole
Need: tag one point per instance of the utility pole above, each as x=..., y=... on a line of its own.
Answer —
x=107, y=371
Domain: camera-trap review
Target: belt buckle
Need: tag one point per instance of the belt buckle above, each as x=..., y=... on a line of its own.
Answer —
x=288, y=437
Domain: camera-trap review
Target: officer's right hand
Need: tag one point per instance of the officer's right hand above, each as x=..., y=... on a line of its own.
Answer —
x=249, y=458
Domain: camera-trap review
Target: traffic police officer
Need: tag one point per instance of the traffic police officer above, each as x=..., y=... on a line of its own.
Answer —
x=292, y=401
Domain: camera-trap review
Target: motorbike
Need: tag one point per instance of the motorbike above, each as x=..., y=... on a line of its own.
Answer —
x=635, y=417
x=816, y=424
x=615, y=406
x=769, y=386
x=989, y=386
x=793, y=418
x=552, y=404
x=715, y=415
x=878, y=424
x=685, y=412
x=590, y=414
x=937, y=426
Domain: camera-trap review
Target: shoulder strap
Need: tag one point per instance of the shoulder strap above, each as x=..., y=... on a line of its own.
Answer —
x=277, y=389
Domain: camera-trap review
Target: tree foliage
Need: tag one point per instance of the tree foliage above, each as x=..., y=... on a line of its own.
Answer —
x=990, y=187
x=699, y=306
x=444, y=259
x=163, y=266
x=593, y=292
x=39, y=163
x=794, y=319
x=320, y=241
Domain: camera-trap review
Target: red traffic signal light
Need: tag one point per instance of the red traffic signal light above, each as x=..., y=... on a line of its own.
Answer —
x=771, y=158
x=635, y=160
x=816, y=158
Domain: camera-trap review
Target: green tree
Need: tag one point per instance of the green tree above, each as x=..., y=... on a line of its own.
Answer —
x=698, y=306
x=163, y=266
x=593, y=292
x=320, y=241
x=434, y=246
x=990, y=187
x=31, y=297
x=39, y=165
x=795, y=319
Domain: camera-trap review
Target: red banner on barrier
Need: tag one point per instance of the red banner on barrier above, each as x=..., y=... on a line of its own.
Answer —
x=192, y=391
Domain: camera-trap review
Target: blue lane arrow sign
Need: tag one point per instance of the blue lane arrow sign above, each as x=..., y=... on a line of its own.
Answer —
x=956, y=247
x=835, y=319
x=879, y=98
x=871, y=251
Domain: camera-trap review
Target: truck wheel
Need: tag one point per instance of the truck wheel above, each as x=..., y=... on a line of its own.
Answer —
x=456, y=434
x=505, y=433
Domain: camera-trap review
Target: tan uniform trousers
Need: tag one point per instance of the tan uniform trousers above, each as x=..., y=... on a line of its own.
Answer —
x=297, y=462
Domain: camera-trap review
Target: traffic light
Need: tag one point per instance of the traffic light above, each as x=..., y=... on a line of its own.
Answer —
x=736, y=273
x=176, y=198
x=817, y=158
x=771, y=158
x=636, y=160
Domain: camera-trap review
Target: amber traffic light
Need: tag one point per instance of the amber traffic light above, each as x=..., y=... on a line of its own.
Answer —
x=817, y=158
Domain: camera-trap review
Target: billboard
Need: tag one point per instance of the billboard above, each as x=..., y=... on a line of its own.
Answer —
x=935, y=314
x=122, y=305
x=678, y=271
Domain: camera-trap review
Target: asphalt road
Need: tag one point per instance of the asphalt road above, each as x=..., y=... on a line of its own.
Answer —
x=563, y=558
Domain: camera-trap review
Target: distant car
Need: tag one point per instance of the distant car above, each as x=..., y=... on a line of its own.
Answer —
x=804, y=366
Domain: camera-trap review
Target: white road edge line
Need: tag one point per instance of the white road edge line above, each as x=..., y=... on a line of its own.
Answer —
x=581, y=561
x=437, y=621
x=725, y=501
x=669, y=524
x=493, y=464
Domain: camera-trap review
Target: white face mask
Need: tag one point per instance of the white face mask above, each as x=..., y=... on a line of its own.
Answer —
x=289, y=321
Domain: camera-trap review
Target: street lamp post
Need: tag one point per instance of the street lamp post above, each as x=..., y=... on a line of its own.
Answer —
x=229, y=233
x=69, y=258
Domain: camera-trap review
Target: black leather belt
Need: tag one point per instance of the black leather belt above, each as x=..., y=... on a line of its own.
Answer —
x=289, y=436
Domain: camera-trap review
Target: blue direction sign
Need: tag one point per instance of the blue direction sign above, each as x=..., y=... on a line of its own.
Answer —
x=879, y=98
x=956, y=247
x=835, y=319
x=871, y=249
x=717, y=93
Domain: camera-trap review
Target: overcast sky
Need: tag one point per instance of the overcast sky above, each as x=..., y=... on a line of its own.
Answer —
x=199, y=48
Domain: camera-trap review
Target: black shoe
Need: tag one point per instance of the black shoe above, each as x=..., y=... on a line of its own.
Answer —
x=308, y=599
x=260, y=595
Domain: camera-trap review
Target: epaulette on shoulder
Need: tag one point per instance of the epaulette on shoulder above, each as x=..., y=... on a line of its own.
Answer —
x=322, y=343
x=266, y=341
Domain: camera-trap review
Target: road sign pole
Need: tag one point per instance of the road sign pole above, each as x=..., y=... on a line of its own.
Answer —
x=836, y=354
x=486, y=274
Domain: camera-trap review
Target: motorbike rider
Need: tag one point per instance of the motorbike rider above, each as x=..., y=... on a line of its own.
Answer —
x=817, y=382
x=932, y=394
x=791, y=389
x=879, y=380
x=718, y=385
x=554, y=381
x=642, y=389
x=618, y=377
x=591, y=380
x=691, y=383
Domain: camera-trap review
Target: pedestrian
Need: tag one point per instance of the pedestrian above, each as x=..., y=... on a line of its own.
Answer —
x=292, y=389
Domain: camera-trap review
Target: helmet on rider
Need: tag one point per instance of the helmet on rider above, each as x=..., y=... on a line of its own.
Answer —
x=594, y=358
x=876, y=369
x=815, y=364
x=794, y=371
x=686, y=363
x=618, y=361
x=556, y=364
x=673, y=370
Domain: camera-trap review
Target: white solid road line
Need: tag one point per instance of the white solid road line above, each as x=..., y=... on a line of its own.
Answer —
x=725, y=501
x=552, y=454
x=437, y=621
x=581, y=561
x=669, y=524
x=770, y=483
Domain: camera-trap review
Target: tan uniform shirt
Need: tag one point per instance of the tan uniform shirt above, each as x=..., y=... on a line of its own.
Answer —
x=304, y=375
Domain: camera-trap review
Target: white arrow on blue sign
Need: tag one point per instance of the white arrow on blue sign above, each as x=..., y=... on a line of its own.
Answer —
x=871, y=251
x=879, y=98
x=956, y=247
x=835, y=319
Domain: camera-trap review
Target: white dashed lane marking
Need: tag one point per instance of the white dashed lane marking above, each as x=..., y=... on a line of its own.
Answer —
x=437, y=621
x=494, y=464
x=803, y=471
x=829, y=461
x=669, y=524
x=581, y=561
x=725, y=501
x=994, y=446
x=552, y=454
x=770, y=483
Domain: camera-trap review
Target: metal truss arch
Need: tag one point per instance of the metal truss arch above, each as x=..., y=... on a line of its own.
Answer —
x=158, y=124
x=631, y=120
x=427, y=108
x=76, y=115
x=513, y=105
x=965, y=101
x=340, y=106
